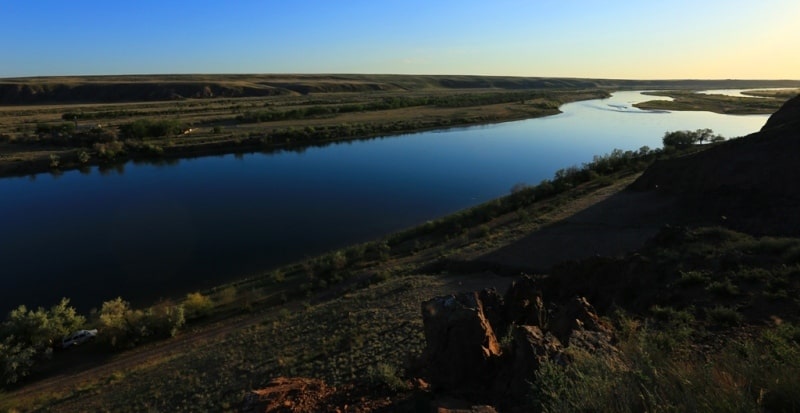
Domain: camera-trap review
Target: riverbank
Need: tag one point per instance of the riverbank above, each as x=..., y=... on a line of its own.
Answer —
x=762, y=102
x=64, y=123
x=55, y=145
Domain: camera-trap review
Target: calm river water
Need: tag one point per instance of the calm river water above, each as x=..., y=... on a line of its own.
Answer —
x=147, y=231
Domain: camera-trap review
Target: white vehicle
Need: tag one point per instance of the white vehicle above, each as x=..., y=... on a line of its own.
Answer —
x=78, y=337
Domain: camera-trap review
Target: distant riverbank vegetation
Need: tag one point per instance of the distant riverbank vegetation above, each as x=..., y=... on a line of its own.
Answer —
x=100, y=134
x=767, y=102
x=103, y=120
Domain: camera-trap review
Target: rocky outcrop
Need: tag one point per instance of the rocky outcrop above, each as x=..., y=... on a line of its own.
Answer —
x=466, y=359
x=462, y=347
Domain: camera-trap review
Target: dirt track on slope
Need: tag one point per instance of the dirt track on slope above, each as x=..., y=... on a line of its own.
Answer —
x=605, y=224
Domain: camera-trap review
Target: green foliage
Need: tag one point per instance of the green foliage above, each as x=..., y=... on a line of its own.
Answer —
x=750, y=374
x=724, y=316
x=277, y=276
x=163, y=320
x=723, y=288
x=109, y=150
x=55, y=161
x=384, y=374
x=122, y=326
x=685, y=138
x=227, y=296
x=27, y=336
x=689, y=278
x=83, y=157
x=109, y=114
x=117, y=321
x=197, y=305
x=16, y=360
x=397, y=102
x=41, y=328
x=600, y=170
x=145, y=128
x=66, y=128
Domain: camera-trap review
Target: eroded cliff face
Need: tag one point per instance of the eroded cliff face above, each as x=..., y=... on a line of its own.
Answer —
x=751, y=184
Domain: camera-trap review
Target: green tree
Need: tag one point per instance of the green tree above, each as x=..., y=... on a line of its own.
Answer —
x=679, y=139
x=703, y=135
x=29, y=335
x=41, y=328
x=16, y=360
x=685, y=138
x=119, y=323
x=162, y=320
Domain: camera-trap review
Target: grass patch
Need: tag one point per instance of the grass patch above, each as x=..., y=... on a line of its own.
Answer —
x=748, y=374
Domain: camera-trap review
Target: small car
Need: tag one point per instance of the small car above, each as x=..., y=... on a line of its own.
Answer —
x=78, y=337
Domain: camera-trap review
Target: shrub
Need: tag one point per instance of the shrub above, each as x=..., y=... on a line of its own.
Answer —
x=162, y=320
x=197, y=305
x=109, y=150
x=277, y=276
x=122, y=326
x=688, y=278
x=384, y=374
x=723, y=288
x=83, y=156
x=27, y=336
x=751, y=374
x=227, y=296
x=724, y=316
x=685, y=138
x=146, y=128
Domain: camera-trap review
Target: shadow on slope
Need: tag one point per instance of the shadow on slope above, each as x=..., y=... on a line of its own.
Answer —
x=751, y=184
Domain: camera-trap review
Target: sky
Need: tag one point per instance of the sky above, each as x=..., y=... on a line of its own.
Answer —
x=643, y=39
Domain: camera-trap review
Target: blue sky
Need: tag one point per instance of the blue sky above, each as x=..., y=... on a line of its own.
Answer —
x=609, y=39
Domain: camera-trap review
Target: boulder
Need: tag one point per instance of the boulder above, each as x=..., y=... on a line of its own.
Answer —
x=464, y=358
x=530, y=347
x=576, y=315
x=524, y=304
x=462, y=349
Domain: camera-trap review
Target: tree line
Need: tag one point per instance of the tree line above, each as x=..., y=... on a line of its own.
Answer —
x=29, y=337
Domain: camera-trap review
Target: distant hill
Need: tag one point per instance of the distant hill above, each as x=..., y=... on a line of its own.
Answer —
x=49, y=90
x=750, y=184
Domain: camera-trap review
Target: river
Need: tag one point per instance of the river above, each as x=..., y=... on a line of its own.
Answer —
x=146, y=231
